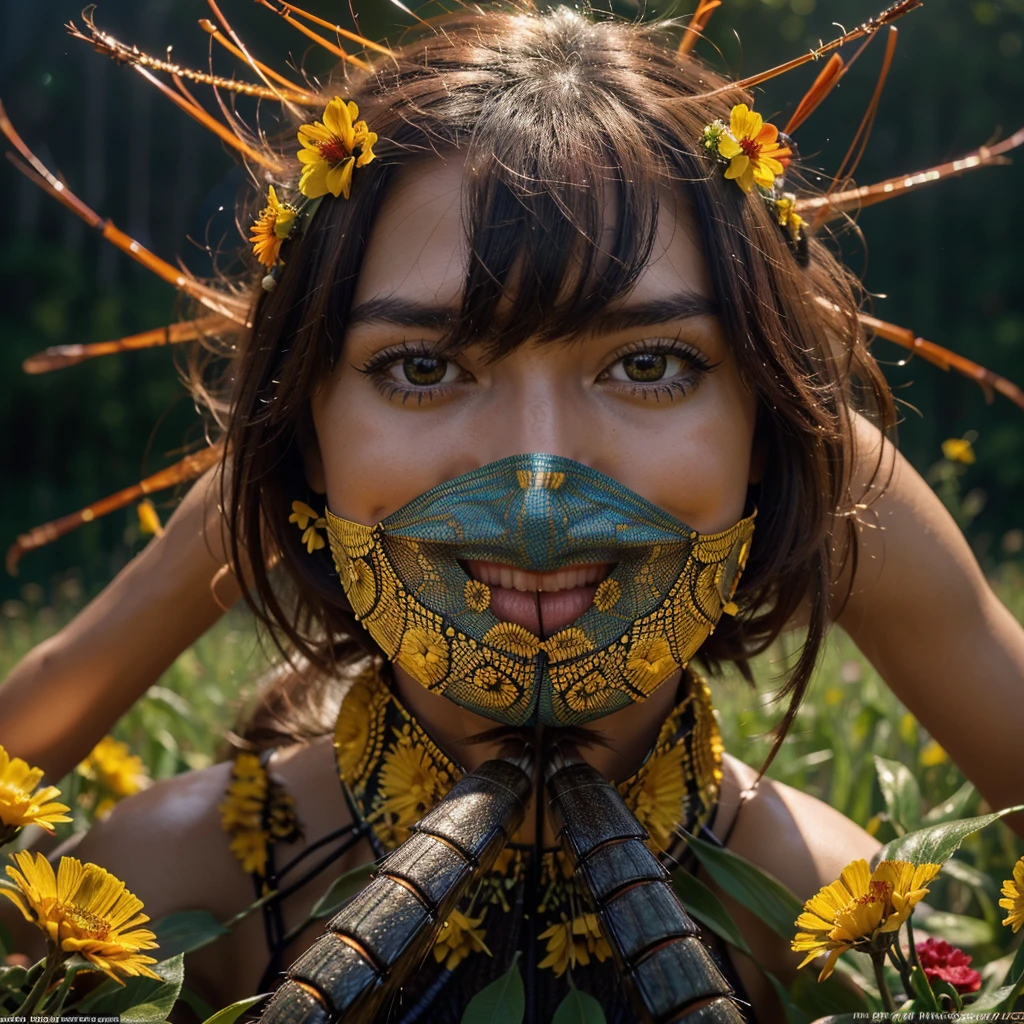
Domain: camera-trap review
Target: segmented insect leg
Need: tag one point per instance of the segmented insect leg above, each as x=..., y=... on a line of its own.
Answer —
x=666, y=971
x=373, y=944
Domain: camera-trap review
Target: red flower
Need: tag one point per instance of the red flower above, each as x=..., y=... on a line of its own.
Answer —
x=943, y=962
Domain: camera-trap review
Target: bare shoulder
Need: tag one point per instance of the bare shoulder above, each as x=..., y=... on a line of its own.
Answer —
x=797, y=839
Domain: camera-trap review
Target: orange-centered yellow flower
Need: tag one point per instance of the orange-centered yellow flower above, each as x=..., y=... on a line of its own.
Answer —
x=271, y=228
x=1013, y=898
x=85, y=910
x=859, y=908
x=332, y=148
x=752, y=149
x=20, y=804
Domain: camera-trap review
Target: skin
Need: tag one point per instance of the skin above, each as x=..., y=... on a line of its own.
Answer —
x=540, y=396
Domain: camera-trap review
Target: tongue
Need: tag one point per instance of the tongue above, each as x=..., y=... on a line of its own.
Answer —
x=557, y=608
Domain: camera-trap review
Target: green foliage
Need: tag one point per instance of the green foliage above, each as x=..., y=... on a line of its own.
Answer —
x=231, y=1013
x=187, y=931
x=578, y=1008
x=937, y=843
x=341, y=891
x=501, y=1002
x=139, y=1000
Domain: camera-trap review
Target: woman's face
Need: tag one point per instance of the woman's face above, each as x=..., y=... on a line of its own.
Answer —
x=652, y=398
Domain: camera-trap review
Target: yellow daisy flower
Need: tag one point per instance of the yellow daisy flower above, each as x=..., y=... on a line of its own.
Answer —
x=21, y=804
x=459, y=936
x=329, y=150
x=569, y=943
x=410, y=785
x=1013, y=901
x=477, y=595
x=958, y=449
x=271, y=228
x=112, y=765
x=658, y=799
x=310, y=522
x=752, y=149
x=853, y=912
x=85, y=910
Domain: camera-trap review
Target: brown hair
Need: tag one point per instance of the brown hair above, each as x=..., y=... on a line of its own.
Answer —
x=555, y=113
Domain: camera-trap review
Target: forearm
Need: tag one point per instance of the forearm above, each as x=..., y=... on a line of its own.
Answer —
x=68, y=691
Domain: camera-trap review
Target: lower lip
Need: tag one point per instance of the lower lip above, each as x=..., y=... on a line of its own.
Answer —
x=541, y=613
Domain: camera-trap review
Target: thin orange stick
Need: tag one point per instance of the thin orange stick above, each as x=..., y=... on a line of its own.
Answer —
x=826, y=81
x=697, y=24
x=106, y=44
x=828, y=207
x=869, y=27
x=860, y=140
x=58, y=357
x=36, y=171
x=989, y=382
x=181, y=472
x=354, y=37
x=316, y=37
x=295, y=92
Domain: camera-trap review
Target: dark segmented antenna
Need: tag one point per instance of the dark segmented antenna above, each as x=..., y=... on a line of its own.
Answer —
x=697, y=24
x=181, y=472
x=233, y=307
x=60, y=356
x=821, y=209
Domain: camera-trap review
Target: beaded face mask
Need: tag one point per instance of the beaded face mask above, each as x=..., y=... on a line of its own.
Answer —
x=407, y=585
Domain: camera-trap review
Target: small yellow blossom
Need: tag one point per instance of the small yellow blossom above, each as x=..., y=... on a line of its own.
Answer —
x=329, y=150
x=112, y=765
x=788, y=218
x=459, y=936
x=932, y=754
x=271, y=228
x=21, y=804
x=860, y=907
x=424, y=655
x=310, y=522
x=83, y=910
x=752, y=149
x=149, y=519
x=1013, y=898
x=569, y=943
x=658, y=798
x=410, y=784
x=477, y=595
x=958, y=449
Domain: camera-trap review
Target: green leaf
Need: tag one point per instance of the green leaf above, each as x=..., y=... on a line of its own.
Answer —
x=937, y=843
x=993, y=1001
x=953, y=808
x=924, y=994
x=826, y=998
x=231, y=1013
x=794, y=1015
x=147, y=1001
x=199, y=1006
x=187, y=931
x=901, y=793
x=969, y=875
x=502, y=1002
x=751, y=887
x=341, y=891
x=955, y=928
x=1016, y=972
x=576, y=1008
x=12, y=979
x=943, y=988
x=701, y=903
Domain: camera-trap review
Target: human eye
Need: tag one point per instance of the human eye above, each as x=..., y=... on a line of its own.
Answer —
x=657, y=367
x=412, y=370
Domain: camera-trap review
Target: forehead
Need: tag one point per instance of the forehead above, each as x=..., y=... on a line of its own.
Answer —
x=418, y=251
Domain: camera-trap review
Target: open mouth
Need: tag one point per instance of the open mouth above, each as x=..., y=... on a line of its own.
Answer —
x=542, y=602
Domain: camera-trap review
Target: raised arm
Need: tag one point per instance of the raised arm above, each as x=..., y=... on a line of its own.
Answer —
x=923, y=613
x=69, y=690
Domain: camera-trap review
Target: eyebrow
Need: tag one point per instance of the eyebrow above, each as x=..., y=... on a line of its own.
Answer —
x=683, y=305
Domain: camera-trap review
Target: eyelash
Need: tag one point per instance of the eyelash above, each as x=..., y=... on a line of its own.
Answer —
x=699, y=366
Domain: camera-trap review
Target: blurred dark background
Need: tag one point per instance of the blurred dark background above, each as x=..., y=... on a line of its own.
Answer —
x=949, y=260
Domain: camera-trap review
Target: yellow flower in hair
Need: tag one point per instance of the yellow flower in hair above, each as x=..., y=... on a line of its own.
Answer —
x=785, y=211
x=459, y=937
x=21, y=804
x=271, y=228
x=332, y=148
x=752, y=149
x=1013, y=898
x=569, y=943
x=958, y=449
x=862, y=910
x=83, y=910
x=309, y=521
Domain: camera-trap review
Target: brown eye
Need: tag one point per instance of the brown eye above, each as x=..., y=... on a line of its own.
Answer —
x=424, y=371
x=645, y=367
